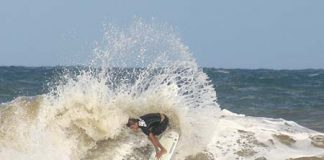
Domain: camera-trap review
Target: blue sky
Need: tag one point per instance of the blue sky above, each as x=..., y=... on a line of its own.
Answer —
x=278, y=34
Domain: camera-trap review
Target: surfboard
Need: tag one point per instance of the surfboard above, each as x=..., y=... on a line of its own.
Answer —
x=169, y=141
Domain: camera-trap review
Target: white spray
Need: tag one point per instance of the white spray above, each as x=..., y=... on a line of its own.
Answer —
x=137, y=70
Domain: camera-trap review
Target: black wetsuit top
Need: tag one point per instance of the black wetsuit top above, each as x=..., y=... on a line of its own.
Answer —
x=151, y=123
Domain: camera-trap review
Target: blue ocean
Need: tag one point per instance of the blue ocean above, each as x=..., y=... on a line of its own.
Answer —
x=296, y=95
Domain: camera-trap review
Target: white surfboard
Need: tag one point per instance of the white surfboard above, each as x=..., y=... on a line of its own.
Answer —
x=169, y=141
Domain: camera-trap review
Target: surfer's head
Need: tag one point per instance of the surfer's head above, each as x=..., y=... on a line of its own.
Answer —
x=133, y=124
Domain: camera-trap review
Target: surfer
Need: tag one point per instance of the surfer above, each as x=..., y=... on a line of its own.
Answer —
x=152, y=125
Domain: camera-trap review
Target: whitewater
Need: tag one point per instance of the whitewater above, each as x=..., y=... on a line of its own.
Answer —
x=134, y=70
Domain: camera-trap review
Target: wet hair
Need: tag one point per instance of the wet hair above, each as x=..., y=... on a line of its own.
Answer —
x=131, y=121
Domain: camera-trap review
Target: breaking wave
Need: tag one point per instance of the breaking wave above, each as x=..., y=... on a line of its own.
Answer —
x=133, y=71
x=136, y=70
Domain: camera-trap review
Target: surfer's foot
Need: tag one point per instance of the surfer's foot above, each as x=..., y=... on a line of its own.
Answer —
x=160, y=153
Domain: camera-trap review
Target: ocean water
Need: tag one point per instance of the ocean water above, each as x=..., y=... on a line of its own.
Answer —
x=73, y=113
x=296, y=95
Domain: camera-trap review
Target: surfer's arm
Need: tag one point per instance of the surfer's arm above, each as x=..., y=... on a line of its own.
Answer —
x=155, y=141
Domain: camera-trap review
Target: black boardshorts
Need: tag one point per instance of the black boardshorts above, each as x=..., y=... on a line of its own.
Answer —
x=157, y=130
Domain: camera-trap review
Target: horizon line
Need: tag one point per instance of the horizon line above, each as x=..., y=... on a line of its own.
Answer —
x=208, y=67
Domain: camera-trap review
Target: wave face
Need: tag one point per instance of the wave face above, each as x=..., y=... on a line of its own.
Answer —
x=136, y=70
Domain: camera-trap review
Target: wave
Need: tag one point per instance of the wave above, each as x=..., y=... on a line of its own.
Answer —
x=136, y=70
x=89, y=107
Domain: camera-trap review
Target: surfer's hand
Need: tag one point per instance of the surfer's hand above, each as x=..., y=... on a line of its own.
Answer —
x=160, y=153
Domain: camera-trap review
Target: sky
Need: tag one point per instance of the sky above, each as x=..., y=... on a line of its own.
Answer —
x=274, y=34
